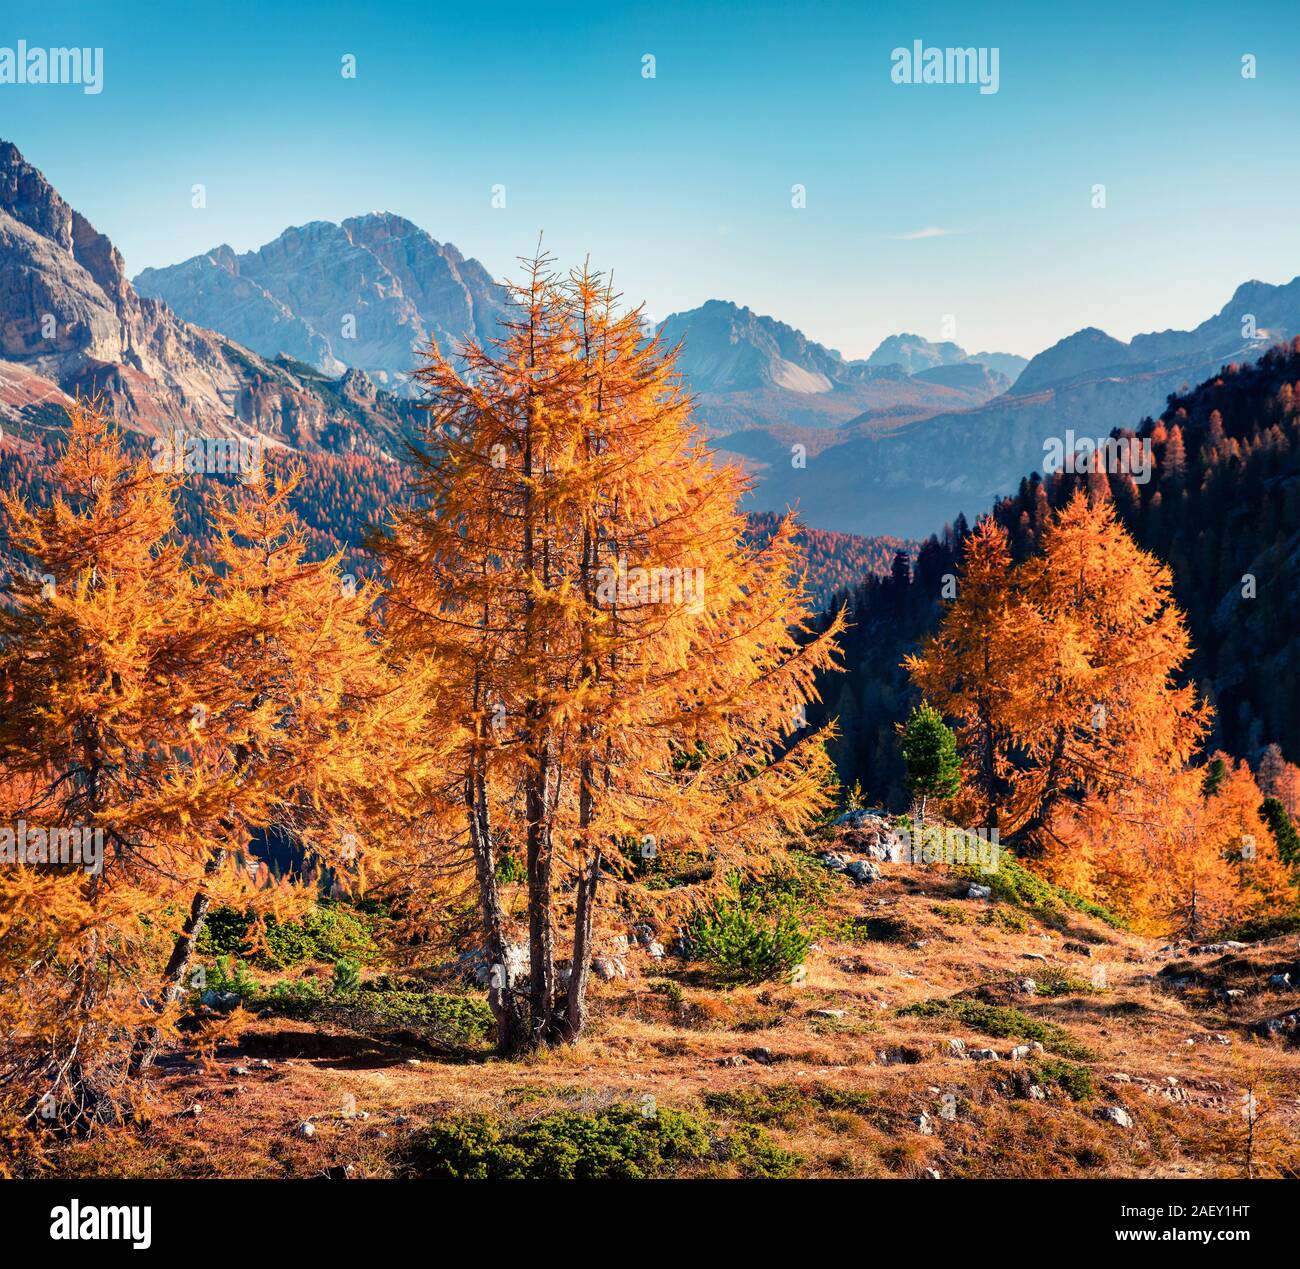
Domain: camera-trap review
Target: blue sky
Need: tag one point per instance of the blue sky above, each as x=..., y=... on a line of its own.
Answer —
x=682, y=183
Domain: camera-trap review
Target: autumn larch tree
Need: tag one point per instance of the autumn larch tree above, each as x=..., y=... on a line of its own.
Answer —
x=99, y=660
x=1119, y=721
x=987, y=666
x=626, y=671
x=322, y=736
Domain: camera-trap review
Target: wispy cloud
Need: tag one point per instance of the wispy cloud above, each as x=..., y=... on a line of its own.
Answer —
x=930, y=231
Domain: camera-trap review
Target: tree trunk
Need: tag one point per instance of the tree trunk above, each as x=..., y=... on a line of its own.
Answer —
x=988, y=762
x=541, y=958
x=1038, y=820
x=145, y=1049
x=575, y=1014
x=511, y=1028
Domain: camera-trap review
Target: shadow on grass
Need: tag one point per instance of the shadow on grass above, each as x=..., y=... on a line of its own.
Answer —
x=348, y=1051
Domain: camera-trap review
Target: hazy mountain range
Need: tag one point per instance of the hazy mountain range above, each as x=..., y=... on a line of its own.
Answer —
x=916, y=476
x=917, y=355
x=748, y=370
x=896, y=443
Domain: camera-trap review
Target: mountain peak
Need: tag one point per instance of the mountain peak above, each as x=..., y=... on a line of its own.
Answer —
x=30, y=200
x=363, y=294
x=916, y=354
x=72, y=325
x=385, y=222
x=1088, y=349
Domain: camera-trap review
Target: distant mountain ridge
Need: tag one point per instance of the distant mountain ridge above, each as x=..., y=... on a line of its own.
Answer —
x=912, y=478
x=860, y=447
x=1257, y=316
x=748, y=370
x=365, y=294
x=917, y=354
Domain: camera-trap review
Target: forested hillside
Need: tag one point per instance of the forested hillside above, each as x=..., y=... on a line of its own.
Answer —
x=340, y=495
x=1221, y=507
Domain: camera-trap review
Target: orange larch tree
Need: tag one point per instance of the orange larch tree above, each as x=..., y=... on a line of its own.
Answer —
x=1119, y=722
x=988, y=665
x=628, y=672
x=322, y=736
x=98, y=660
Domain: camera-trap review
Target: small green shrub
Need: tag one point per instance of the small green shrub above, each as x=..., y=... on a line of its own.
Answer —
x=330, y=933
x=1002, y=1022
x=619, y=1142
x=1076, y=1080
x=296, y=998
x=757, y=1155
x=666, y=987
x=223, y=933
x=448, y=1019
x=230, y=975
x=382, y=1006
x=347, y=978
x=510, y=869
x=746, y=945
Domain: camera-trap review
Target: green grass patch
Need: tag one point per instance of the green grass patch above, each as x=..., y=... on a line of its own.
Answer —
x=619, y=1142
x=1056, y=982
x=785, y=1105
x=1002, y=1022
x=950, y=913
x=1003, y=917
x=1014, y=883
x=1074, y=1079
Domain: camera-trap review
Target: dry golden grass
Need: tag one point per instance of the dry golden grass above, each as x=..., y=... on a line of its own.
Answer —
x=845, y=1093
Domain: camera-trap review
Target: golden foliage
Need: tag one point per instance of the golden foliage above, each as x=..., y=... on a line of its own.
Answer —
x=1061, y=673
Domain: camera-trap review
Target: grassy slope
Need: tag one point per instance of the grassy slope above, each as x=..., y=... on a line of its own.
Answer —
x=844, y=1093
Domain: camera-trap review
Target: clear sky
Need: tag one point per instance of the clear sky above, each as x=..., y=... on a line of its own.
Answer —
x=682, y=183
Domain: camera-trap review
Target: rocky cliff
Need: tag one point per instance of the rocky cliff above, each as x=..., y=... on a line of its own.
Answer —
x=72, y=323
